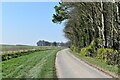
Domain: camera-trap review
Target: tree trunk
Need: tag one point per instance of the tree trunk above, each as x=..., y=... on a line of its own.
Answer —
x=103, y=27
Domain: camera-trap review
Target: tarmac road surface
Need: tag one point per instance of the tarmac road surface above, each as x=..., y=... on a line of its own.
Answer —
x=69, y=66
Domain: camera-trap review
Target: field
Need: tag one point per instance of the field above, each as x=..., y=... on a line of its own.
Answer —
x=17, y=47
x=38, y=64
x=28, y=61
x=11, y=49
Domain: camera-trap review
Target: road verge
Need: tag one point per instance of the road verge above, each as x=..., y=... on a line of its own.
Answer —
x=113, y=74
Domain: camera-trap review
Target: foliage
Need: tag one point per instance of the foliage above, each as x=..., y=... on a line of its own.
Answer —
x=60, y=14
x=92, y=28
x=86, y=21
x=87, y=51
x=91, y=49
x=73, y=48
x=47, y=43
x=108, y=56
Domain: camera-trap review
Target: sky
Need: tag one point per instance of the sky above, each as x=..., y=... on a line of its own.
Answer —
x=28, y=22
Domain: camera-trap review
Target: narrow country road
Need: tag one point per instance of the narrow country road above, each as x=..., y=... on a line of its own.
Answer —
x=68, y=66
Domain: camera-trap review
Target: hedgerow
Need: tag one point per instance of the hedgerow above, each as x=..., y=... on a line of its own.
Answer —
x=108, y=56
x=16, y=55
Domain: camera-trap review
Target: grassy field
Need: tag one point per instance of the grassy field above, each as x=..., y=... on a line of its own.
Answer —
x=38, y=64
x=98, y=63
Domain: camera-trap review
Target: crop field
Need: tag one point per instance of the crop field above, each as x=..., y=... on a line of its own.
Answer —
x=35, y=64
x=17, y=47
x=11, y=49
x=7, y=48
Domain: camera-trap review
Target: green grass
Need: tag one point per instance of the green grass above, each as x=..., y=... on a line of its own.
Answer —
x=35, y=65
x=96, y=62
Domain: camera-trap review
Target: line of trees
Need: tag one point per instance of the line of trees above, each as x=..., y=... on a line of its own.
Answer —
x=47, y=43
x=94, y=25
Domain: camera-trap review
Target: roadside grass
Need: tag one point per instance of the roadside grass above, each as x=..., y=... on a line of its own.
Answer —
x=35, y=65
x=98, y=63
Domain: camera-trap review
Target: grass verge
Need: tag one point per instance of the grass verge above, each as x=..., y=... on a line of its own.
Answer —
x=35, y=65
x=114, y=71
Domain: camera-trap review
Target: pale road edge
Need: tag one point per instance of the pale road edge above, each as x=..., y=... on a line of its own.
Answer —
x=97, y=67
x=56, y=69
